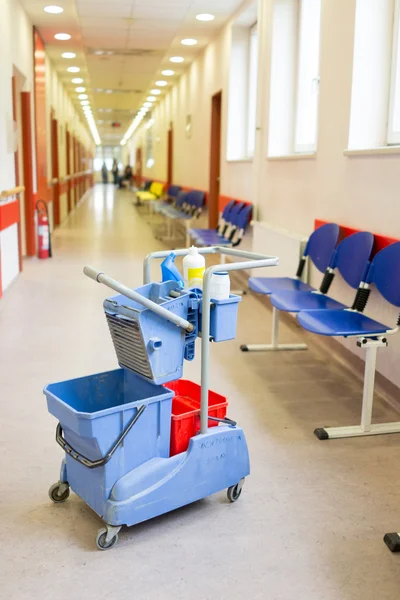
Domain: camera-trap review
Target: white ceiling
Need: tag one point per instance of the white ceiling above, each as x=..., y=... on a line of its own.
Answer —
x=137, y=37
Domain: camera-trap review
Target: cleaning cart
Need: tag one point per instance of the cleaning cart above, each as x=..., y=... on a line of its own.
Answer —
x=121, y=456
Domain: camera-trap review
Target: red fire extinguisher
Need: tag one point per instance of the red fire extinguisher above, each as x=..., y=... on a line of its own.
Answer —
x=44, y=239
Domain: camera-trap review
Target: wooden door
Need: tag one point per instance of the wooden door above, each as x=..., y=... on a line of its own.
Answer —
x=215, y=160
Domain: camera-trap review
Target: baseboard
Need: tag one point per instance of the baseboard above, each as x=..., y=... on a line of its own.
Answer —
x=388, y=391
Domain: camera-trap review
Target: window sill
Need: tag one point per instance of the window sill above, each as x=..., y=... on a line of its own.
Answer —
x=305, y=156
x=239, y=160
x=373, y=151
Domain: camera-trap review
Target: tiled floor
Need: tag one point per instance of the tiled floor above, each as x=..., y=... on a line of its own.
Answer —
x=310, y=522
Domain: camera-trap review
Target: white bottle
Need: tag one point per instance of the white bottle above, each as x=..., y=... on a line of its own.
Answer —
x=220, y=286
x=194, y=265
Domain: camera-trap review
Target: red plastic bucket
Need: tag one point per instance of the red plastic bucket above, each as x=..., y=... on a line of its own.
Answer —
x=185, y=419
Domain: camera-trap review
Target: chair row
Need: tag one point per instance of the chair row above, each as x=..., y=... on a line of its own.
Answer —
x=319, y=313
x=178, y=209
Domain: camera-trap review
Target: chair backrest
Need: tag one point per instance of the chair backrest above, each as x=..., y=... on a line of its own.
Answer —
x=156, y=188
x=181, y=199
x=147, y=185
x=173, y=191
x=227, y=210
x=234, y=212
x=321, y=244
x=384, y=272
x=196, y=198
x=243, y=217
x=351, y=257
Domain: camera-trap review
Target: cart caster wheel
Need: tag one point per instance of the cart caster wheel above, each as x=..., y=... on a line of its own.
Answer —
x=101, y=542
x=234, y=492
x=59, y=492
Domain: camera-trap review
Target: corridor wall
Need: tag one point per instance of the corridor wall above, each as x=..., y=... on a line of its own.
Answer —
x=358, y=189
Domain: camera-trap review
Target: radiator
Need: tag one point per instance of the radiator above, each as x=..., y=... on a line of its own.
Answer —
x=288, y=246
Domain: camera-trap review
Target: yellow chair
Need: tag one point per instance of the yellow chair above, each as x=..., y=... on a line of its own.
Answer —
x=156, y=191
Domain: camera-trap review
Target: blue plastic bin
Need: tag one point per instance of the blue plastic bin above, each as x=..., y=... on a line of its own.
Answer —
x=145, y=342
x=223, y=318
x=93, y=412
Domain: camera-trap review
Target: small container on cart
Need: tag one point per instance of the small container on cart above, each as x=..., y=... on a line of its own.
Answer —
x=121, y=455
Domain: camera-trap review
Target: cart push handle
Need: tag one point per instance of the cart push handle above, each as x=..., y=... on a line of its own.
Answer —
x=100, y=277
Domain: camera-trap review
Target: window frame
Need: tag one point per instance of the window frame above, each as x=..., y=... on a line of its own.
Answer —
x=252, y=70
x=393, y=136
x=298, y=148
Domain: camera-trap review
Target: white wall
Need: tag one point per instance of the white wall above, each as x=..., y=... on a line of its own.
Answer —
x=359, y=191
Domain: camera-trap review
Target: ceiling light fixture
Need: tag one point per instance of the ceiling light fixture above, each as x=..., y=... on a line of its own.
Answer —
x=176, y=59
x=80, y=89
x=155, y=92
x=147, y=104
x=151, y=98
x=205, y=17
x=62, y=36
x=168, y=72
x=83, y=96
x=77, y=80
x=85, y=102
x=161, y=83
x=53, y=10
x=73, y=69
x=189, y=42
x=99, y=52
x=109, y=91
x=68, y=55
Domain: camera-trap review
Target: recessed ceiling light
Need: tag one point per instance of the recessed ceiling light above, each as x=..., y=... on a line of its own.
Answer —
x=151, y=98
x=99, y=90
x=155, y=92
x=189, y=42
x=84, y=102
x=80, y=89
x=73, y=69
x=168, y=72
x=109, y=91
x=77, y=80
x=83, y=96
x=161, y=83
x=176, y=59
x=62, y=36
x=205, y=17
x=108, y=109
x=100, y=121
x=99, y=52
x=148, y=104
x=54, y=10
x=68, y=55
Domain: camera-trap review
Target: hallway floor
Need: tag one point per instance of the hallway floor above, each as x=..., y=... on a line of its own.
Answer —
x=311, y=519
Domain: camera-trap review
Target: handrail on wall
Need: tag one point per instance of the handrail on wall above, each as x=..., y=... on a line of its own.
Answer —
x=13, y=192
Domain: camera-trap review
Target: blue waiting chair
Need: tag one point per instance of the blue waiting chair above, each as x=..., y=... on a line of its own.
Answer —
x=239, y=219
x=384, y=274
x=319, y=250
x=200, y=235
x=169, y=198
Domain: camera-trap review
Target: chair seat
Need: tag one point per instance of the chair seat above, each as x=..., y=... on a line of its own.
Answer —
x=209, y=240
x=340, y=323
x=146, y=196
x=297, y=301
x=270, y=285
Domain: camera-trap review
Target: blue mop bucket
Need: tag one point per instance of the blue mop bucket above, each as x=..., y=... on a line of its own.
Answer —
x=93, y=413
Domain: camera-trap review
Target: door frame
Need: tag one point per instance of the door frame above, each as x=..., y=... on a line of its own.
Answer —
x=215, y=160
x=170, y=154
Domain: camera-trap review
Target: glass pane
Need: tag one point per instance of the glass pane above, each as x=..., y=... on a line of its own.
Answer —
x=308, y=76
x=395, y=121
x=252, y=87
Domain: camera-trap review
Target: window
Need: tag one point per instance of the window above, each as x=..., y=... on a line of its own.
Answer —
x=294, y=85
x=242, y=95
x=149, y=144
x=252, y=91
x=393, y=136
x=375, y=95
